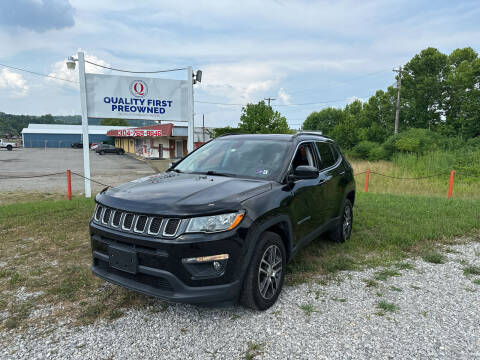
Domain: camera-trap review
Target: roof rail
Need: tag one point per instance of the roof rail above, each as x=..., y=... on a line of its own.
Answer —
x=318, y=133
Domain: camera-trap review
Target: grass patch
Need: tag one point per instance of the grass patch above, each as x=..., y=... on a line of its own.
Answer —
x=385, y=274
x=394, y=288
x=254, y=350
x=434, y=257
x=308, y=309
x=476, y=281
x=387, y=230
x=386, y=306
x=471, y=270
x=370, y=283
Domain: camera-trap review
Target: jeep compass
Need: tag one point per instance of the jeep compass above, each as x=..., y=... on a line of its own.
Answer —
x=222, y=223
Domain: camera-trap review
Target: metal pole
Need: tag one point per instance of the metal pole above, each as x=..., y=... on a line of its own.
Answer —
x=83, y=101
x=397, y=112
x=190, y=110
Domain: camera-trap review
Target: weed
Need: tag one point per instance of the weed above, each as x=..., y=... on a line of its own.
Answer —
x=415, y=287
x=386, y=306
x=308, y=309
x=471, y=270
x=254, y=350
x=404, y=266
x=115, y=314
x=370, y=283
x=235, y=317
x=394, y=288
x=476, y=281
x=379, y=294
x=434, y=257
x=383, y=275
x=339, y=300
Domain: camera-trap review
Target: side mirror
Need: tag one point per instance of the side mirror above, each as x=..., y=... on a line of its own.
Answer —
x=304, y=172
x=173, y=164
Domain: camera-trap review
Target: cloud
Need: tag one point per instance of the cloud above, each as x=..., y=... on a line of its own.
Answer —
x=59, y=70
x=242, y=82
x=37, y=15
x=14, y=83
x=283, y=96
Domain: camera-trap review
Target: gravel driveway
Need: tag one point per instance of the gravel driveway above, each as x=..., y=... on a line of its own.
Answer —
x=436, y=314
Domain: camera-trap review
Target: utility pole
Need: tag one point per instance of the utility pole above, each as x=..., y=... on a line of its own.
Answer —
x=269, y=99
x=399, y=85
x=203, y=127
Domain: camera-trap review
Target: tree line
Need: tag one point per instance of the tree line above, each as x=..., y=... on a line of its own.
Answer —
x=440, y=98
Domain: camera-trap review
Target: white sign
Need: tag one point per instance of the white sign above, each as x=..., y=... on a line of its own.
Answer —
x=127, y=97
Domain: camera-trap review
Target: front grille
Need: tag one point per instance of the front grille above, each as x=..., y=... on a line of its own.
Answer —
x=171, y=227
x=98, y=213
x=116, y=218
x=155, y=226
x=106, y=215
x=138, y=223
x=128, y=221
x=141, y=222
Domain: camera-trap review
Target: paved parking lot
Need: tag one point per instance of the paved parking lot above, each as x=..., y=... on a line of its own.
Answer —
x=109, y=169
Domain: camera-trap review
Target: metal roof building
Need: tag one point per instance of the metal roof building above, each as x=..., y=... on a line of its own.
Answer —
x=57, y=136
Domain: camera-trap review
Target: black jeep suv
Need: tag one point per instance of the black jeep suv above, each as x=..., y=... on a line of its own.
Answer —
x=222, y=223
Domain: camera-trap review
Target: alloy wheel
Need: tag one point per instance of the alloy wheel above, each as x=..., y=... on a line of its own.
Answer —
x=347, y=222
x=270, y=272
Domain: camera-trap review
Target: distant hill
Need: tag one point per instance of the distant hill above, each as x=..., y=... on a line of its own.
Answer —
x=13, y=124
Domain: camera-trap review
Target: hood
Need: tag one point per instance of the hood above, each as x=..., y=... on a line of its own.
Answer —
x=173, y=194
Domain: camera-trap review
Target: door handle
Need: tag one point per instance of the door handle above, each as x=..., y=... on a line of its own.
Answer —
x=321, y=182
x=342, y=172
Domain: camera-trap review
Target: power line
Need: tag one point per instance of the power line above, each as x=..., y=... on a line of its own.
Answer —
x=302, y=104
x=39, y=74
x=135, y=72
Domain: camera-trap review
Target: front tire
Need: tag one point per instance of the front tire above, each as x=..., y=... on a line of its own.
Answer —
x=264, y=279
x=343, y=229
x=9, y=147
x=102, y=152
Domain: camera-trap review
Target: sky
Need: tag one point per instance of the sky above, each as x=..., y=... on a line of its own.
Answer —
x=326, y=52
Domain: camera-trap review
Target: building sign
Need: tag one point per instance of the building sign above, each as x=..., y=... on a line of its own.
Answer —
x=111, y=96
x=136, y=133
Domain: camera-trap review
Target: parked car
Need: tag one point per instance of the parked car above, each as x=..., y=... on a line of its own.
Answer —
x=94, y=146
x=78, y=145
x=107, y=148
x=7, y=145
x=223, y=222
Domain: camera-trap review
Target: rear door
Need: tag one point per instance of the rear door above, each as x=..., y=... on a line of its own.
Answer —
x=330, y=173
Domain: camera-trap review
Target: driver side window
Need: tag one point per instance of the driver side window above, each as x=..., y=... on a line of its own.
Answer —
x=304, y=156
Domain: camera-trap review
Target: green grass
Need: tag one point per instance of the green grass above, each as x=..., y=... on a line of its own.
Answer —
x=386, y=306
x=434, y=257
x=46, y=248
x=254, y=350
x=384, y=275
x=308, y=309
x=471, y=270
x=387, y=230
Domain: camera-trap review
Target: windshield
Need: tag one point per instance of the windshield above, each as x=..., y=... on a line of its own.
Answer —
x=262, y=159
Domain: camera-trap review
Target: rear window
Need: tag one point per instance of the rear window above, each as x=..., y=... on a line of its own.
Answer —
x=327, y=157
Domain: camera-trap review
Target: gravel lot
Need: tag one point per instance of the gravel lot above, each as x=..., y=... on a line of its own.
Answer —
x=437, y=317
x=109, y=169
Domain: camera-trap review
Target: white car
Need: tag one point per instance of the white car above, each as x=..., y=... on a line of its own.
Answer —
x=7, y=145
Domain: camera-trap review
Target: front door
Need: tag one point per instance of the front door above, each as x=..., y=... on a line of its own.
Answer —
x=178, y=148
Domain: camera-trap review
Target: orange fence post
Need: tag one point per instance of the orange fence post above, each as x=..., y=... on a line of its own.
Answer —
x=69, y=185
x=367, y=177
x=450, y=187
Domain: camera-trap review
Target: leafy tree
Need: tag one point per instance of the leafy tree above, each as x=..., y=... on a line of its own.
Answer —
x=114, y=122
x=323, y=120
x=423, y=88
x=224, y=130
x=262, y=119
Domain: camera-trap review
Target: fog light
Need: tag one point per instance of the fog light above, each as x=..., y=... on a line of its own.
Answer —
x=203, y=259
x=217, y=266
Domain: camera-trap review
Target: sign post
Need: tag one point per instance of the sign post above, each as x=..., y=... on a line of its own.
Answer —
x=190, y=114
x=86, y=147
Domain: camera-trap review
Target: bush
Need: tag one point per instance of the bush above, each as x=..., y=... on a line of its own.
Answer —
x=363, y=148
x=377, y=153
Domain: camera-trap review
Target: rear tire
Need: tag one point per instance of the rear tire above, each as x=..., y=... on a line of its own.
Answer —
x=264, y=278
x=102, y=152
x=343, y=229
x=9, y=147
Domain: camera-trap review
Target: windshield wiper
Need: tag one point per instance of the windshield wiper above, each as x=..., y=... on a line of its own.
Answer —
x=216, y=173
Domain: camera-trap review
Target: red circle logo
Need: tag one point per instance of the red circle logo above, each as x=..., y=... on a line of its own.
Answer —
x=138, y=88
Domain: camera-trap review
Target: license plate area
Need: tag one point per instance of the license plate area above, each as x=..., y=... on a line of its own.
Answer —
x=124, y=260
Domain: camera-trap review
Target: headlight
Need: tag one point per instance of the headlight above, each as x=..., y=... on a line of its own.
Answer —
x=215, y=223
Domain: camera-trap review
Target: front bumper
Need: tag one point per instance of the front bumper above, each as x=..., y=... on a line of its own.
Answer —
x=160, y=271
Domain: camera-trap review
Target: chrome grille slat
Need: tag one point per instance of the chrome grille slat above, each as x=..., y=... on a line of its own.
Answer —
x=128, y=221
x=155, y=225
x=98, y=212
x=117, y=218
x=140, y=223
x=171, y=227
x=106, y=215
